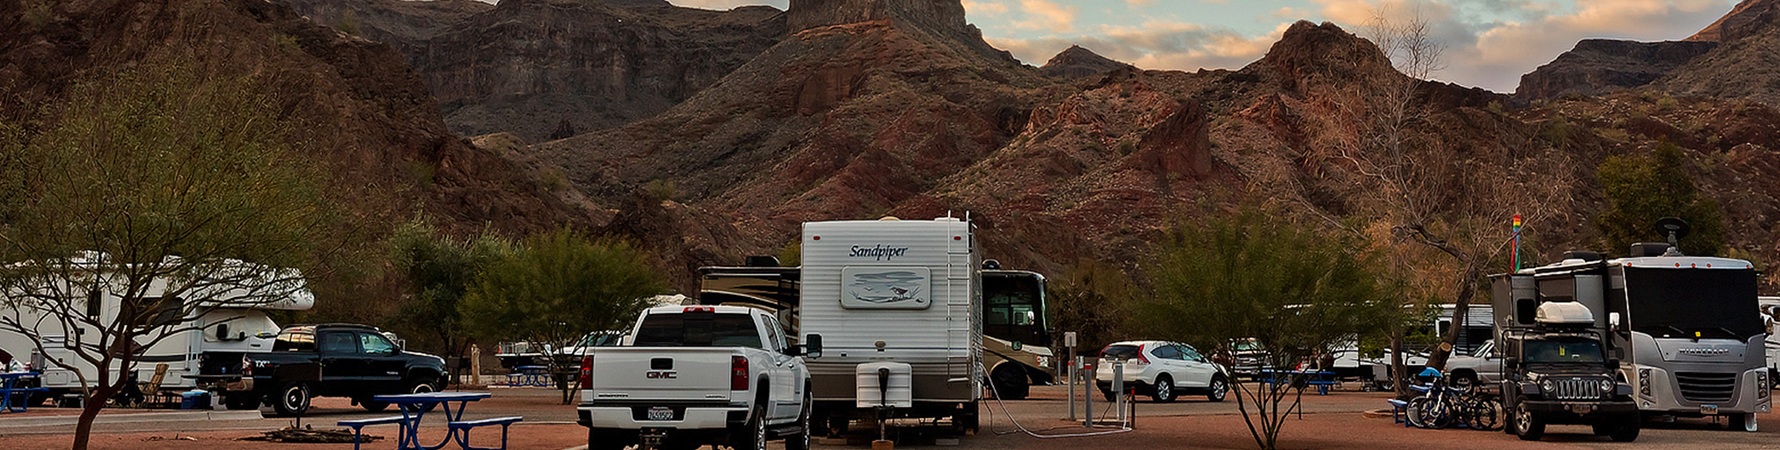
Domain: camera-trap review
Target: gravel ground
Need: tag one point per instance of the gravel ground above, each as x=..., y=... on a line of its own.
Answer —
x=1329, y=422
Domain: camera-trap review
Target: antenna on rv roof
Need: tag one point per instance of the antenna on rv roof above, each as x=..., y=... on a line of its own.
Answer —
x=1674, y=228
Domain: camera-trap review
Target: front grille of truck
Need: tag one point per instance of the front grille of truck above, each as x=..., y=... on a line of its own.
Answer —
x=1706, y=387
x=1577, y=389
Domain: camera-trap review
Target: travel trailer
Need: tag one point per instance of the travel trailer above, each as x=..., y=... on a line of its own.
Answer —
x=897, y=304
x=221, y=323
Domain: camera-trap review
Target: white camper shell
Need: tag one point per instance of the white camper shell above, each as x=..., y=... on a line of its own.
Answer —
x=229, y=319
x=898, y=295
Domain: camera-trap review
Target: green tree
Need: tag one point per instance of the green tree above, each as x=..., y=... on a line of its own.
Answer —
x=1298, y=292
x=439, y=270
x=558, y=286
x=1642, y=189
x=1092, y=299
x=169, y=190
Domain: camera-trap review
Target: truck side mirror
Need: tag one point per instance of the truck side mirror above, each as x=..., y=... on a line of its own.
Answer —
x=812, y=345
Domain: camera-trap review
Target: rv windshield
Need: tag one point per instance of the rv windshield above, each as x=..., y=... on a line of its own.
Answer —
x=1692, y=303
x=1562, y=351
x=1014, y=307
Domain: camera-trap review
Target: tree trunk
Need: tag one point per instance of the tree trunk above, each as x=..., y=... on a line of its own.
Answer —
x=1460, y=306
x=89, y=411
x=1398, y=378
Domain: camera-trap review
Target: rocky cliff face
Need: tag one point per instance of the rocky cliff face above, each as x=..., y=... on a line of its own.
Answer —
x=534, y=67
x=1749, y=17
x=1601, y=66
x=1077, y=62
x=937, y=15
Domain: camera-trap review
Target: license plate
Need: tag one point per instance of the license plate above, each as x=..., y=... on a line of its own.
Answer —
x=661, y=413
x=1582, y=408
x=1708, y=409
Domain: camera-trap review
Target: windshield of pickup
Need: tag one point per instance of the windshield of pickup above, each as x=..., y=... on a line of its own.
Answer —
x=1562, y=351
x=698, y=329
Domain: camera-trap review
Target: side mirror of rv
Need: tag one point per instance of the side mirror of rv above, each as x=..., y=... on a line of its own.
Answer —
x=1613, y=321
x=812, y=346
x=222, y=331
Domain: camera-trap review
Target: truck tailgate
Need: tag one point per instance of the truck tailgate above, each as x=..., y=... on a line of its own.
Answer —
x=661, y=373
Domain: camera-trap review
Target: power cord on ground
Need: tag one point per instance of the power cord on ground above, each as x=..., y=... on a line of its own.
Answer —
x=1123, y=428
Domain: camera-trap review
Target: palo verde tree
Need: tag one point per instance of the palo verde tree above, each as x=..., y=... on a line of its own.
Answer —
x=440, y=270
x=1642, y=189
x=1298, y=292
x=146, y=201
x=1093, y=299
x=557, y=286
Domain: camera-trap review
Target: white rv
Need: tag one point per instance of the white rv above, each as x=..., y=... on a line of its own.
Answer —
x=221, y=322
x=900, y=296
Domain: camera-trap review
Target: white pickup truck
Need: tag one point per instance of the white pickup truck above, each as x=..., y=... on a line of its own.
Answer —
x=688, y=376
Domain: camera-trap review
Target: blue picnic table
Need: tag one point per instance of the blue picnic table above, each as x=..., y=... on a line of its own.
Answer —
x=415, y=406
x=9, y=387
x=1319, y=378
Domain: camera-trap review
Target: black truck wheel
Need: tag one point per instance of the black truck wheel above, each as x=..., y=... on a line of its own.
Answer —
x=372, y=405
x=608, y=441
x=753, y=435
x=422, y=387
x=242, y=400
x=1527, y=425
x=293, y=399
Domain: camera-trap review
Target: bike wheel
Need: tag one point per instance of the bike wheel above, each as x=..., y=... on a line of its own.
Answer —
x=1438, y=413
x=1413, y=412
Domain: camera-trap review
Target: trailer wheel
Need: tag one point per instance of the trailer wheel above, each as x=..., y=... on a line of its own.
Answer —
x=293, y=400
x=1009, y=382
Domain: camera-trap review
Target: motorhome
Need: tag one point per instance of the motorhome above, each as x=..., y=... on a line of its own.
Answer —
x=1679, y=326
x=220, y=323
x=897, y=304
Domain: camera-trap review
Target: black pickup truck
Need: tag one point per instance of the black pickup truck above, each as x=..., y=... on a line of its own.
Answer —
x=332, y=360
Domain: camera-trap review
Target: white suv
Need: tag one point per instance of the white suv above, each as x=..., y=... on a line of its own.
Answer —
x=1162, y=370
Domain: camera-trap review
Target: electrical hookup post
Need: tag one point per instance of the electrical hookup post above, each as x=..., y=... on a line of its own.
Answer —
x=1069, y=343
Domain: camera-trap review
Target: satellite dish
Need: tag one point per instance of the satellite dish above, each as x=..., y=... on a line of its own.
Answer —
x=1673, y=228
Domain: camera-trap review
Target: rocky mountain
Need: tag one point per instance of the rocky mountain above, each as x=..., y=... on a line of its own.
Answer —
x=1714, y=62
x=1748, y=17
x=1740, y=68
x=1076, y=62
x=362, y=110
x=1601, y=66
x=545, y=69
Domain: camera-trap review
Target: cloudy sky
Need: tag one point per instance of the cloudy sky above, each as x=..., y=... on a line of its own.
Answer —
x=1489, y=43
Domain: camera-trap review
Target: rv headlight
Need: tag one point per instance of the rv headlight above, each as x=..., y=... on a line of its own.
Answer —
x=1644, y=382
x=1606, y=386
x=1761, y=384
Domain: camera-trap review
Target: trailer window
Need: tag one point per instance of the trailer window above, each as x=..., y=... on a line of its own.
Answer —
x=695, y=329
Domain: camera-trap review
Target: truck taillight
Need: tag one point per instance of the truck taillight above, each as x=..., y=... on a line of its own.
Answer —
x=738, y=373
x=246, y=367
x=587, y=372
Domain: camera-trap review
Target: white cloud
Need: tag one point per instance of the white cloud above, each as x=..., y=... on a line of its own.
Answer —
x=984, y=7
x=1140, y=2
x=1045, y=15
x=1155, y=45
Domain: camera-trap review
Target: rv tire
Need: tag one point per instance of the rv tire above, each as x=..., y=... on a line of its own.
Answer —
x=1009, y=382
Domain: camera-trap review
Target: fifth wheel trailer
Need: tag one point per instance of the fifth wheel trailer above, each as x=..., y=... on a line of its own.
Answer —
x=901, y=296
x=219, y=330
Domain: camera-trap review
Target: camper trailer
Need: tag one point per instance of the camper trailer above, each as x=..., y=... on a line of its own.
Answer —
x=898, y=307
x=221, y=325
